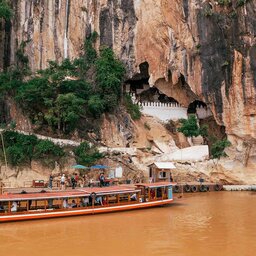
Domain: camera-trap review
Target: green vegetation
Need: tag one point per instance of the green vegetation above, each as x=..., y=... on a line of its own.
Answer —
x=224, y=2
x=207, y=11
x=86, y=155
x=217, y=149
x=241, y=3
x=190, y=128
x=22, y=149
x=5, y=10
x=59, y=96
x=133, y=109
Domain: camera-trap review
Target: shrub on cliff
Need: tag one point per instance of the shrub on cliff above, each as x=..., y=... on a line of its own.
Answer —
x=190, y=128
x=59, y=96
x=218, y=148
x=133, y=109
x=5, y=10
x=86, y=155
x=22, y=149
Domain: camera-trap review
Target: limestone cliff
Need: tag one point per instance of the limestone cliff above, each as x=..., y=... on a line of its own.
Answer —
x=194, y=49
x=190, y=50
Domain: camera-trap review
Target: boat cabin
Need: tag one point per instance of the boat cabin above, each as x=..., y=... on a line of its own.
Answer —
x=161, y=171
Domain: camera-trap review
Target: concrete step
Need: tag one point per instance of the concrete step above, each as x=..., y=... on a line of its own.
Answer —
x=239, y=187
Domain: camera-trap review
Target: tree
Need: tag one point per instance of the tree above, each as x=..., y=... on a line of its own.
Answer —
x=86, y=155
x=133, y=109
x=190, y=128
x=109, y=76
x=65, y=112
x=5, y=10
x=96, y=105
x=217, y=150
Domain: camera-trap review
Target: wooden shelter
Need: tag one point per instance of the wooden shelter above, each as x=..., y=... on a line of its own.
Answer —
x=161, y=171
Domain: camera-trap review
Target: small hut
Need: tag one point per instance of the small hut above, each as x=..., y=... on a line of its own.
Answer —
x=161, y=171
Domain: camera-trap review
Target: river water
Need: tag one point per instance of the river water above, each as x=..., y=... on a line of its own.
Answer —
x=215, y=223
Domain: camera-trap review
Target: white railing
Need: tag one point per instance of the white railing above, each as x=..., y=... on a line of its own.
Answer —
x=203, y=112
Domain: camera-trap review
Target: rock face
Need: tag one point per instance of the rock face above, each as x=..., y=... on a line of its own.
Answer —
x=189, y=50
x=193, y=49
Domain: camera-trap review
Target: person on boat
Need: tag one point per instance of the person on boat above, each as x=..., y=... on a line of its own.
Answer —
x=50, y=203
x=1, y=207
x=73, y=204
x=98, y=200
x=14, y=207
x=50, y=181
x=84, y=202
x=134, y=197
x=65, y=203
x=104, y=202
x=62, y=181
x=152, y=193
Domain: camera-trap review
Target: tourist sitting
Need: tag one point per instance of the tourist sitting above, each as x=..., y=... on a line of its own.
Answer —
x=50, y=203
x=84, y=202
x=14, y=207
x=104, y=202
x=73, y=204
x=133, y=197
x=98, y=200
x=65, y=204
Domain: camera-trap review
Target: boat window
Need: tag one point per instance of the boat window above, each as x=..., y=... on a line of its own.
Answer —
x=123, y=198
x=3, y=207
x=159, y=192
x=162, y=174
x=112, y=199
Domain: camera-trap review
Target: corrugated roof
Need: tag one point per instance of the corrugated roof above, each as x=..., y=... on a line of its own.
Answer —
x=164, y=165
x=81, y=192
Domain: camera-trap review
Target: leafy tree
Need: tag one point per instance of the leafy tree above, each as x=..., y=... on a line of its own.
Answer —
x=189, y=127
x=110, y=72
x=15, y=155
x=96, y=105
x=133, y=109
x=69, y=108
x=217, y=149
x=109, y=75
x=5, y=10
x=86, y=155
x=45, y=148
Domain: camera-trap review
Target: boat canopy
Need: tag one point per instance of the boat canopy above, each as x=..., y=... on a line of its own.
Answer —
x=81, y=192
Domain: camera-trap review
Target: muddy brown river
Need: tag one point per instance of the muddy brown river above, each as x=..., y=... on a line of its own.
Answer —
x=215, y=223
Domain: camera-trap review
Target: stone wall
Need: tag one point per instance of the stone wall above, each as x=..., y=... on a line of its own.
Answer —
x=164, y=111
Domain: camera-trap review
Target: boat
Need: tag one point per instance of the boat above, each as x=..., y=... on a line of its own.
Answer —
x=83, y=201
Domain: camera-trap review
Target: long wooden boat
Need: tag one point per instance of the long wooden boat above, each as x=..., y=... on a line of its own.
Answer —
x=82, y=201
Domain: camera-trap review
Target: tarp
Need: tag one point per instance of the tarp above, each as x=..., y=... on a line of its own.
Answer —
x=99, y=166
x=79, y=166
x=164, y=165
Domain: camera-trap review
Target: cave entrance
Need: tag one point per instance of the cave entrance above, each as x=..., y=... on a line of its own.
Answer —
x=194, y=105
x=200, y=109
x=138, y=86
x=139, y=82
x=155, y=95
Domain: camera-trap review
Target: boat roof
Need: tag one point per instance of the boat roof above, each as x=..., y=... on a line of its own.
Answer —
x=156, y=184
x=81, y=192
x=109, y=190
